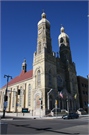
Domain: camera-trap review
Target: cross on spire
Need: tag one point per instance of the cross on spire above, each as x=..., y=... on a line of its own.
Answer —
x=61, y=25
x=24, y=59
x=43, y=10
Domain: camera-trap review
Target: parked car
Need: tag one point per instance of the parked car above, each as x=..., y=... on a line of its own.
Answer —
x=70, y=116
x=81, y=111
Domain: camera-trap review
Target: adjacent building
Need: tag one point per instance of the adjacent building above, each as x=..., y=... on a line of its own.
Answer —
x=83, y=92
x=50, y=75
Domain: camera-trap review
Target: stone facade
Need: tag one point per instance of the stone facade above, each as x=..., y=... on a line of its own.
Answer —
x=50, y=73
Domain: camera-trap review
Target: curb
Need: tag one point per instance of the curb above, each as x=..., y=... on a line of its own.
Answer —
x=36, y=117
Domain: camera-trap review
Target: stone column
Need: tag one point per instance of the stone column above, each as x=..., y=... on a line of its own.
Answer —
x=10, y=103
x=78, y=103
x=1, y=99
x=62, y=104
x=11, y=100
x=67, y=105
x=16, y=99
x=23, y=98
x=72, y=105
x=59, y=103
x=48, y=100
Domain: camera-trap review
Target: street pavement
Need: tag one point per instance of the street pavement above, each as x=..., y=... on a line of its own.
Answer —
x=36, y=125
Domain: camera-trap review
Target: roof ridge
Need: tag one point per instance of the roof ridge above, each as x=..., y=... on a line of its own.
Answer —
x=21, y=77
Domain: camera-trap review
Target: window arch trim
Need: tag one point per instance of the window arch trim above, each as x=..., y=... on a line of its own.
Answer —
x=20, y=96
x=13, y=102
x=39, y=77
x=50, y=77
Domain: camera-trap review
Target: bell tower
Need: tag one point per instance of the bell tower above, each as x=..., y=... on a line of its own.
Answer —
x=41, y=61
x=64, y=45
x=44, y=39
x=24, y=66
x=70, y=70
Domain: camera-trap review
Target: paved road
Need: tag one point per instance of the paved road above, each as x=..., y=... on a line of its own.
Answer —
x=47, y=126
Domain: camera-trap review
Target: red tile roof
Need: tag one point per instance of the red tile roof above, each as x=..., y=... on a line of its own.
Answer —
x=21, y=77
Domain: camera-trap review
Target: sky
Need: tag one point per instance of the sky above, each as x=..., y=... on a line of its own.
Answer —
x=19, y=33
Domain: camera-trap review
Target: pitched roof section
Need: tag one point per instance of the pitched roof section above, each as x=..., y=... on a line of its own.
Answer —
x=21, y=77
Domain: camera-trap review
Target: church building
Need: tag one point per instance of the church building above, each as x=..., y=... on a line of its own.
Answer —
x=50, y=76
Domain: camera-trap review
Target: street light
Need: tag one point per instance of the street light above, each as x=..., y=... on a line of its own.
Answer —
x=55, y=101
x=48, y=97
x=5, y=97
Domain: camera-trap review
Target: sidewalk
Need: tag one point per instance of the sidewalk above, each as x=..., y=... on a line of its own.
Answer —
x=20, y=115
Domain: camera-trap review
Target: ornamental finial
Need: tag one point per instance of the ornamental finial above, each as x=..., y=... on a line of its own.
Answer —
x=43, y=14
x=61, y=25
x=62, y=28
x=43, y=11
x=24, y=59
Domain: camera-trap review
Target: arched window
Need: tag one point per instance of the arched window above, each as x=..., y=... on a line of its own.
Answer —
x=48, y=47
x=39, y=77
x=20, y=96
x=50, y=78
x=61, y=40
x=23, y=67
x=13, y=98
x=29, y=95
x=73, y=84
x=39, y=47
x=59, y=80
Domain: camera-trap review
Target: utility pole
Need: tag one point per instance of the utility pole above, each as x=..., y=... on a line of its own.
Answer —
x=48, y=98
x=5, y=97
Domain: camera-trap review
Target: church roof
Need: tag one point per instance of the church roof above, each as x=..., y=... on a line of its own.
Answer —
x=23, y=76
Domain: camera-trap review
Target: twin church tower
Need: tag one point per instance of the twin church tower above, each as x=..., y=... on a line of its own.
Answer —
x=57, y=73
x=44, y=40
